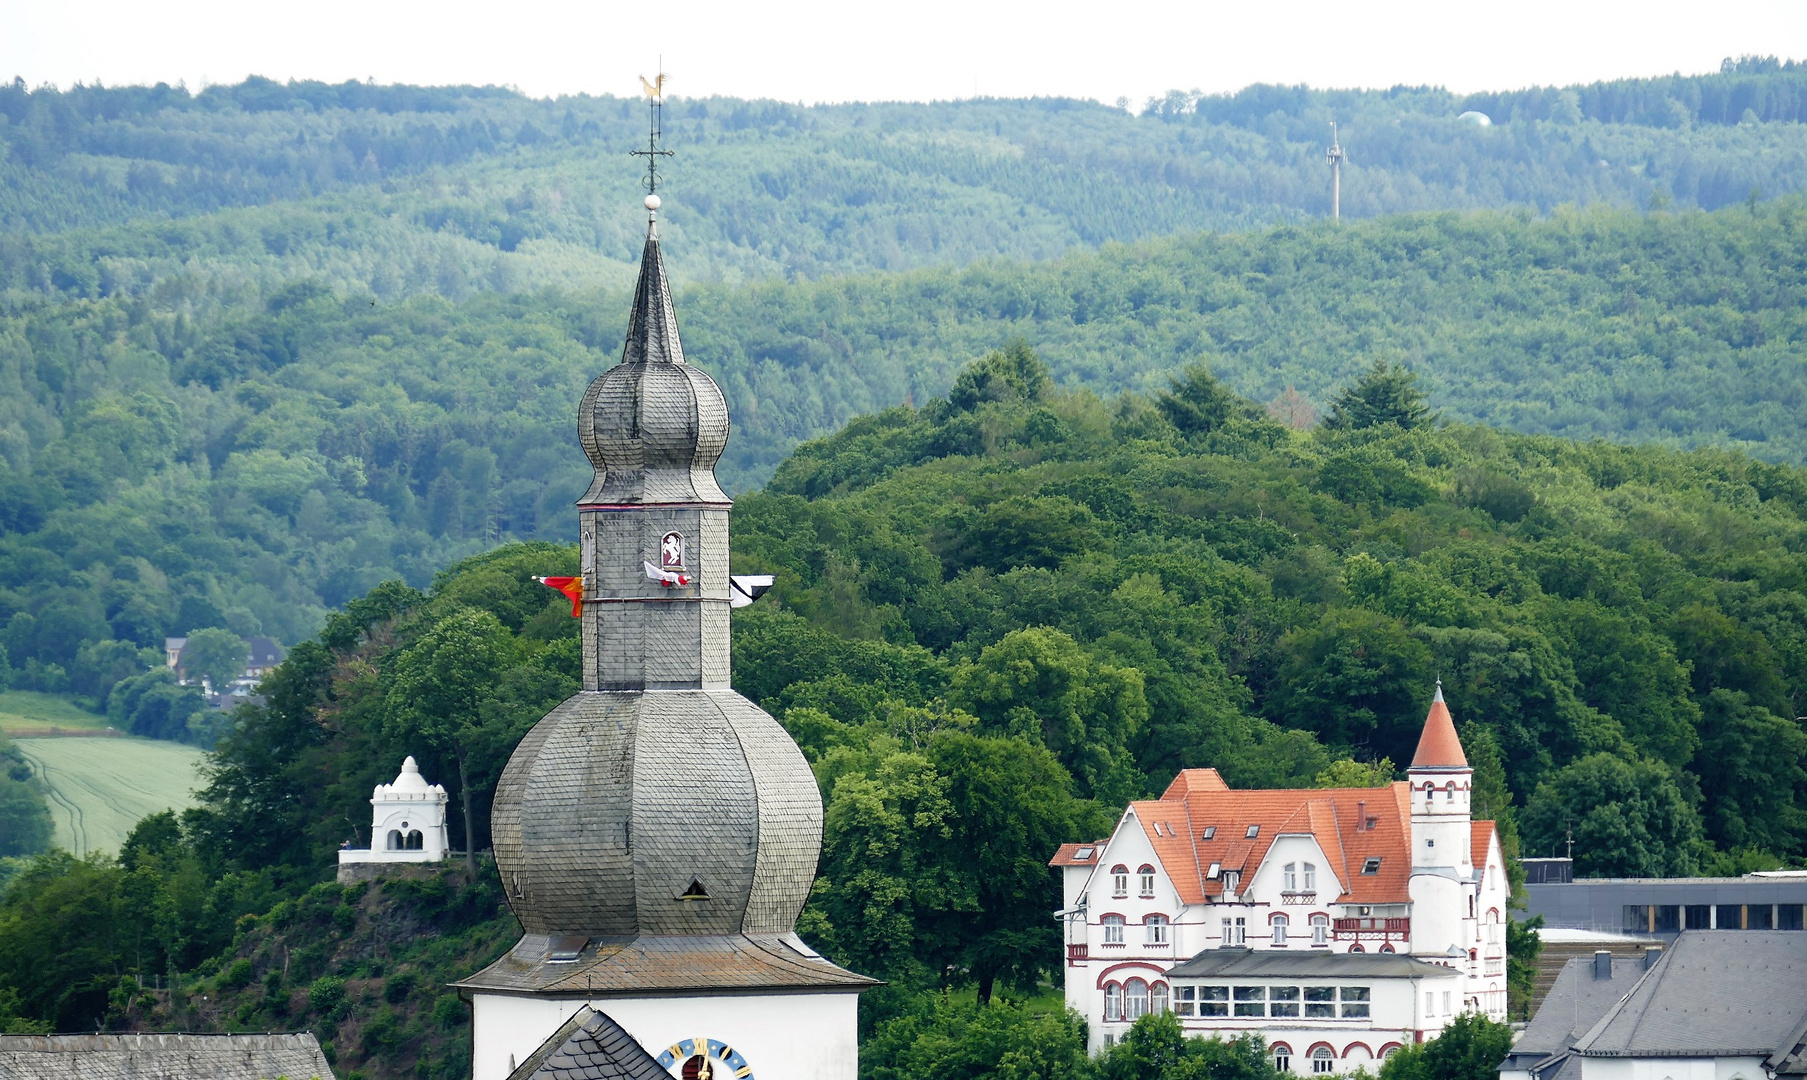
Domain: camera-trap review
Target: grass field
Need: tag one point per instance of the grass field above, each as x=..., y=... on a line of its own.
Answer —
x=28, y=710
x=100, y=788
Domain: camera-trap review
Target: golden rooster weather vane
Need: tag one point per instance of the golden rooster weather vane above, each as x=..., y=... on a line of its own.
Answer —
x=655, y=108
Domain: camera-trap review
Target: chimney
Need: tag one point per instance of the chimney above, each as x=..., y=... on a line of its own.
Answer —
x=1602, y=964
x=1361, y=814
x=1651, y=956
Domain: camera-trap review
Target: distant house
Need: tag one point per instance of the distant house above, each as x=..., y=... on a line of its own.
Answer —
x=1717, y=1005
x=263, y=654
x=156, y=1057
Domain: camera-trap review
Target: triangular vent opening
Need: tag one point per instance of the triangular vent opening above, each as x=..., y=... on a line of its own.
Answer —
x=694, y=892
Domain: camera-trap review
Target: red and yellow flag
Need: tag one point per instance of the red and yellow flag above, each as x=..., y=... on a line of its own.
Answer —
x=570, y=586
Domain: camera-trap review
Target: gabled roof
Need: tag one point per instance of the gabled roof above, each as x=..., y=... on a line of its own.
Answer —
x=1574, y=1004
x=1438, y=746
x=1068, y=855
x=1198, y=800
x=1480, y=836
x=590, y=1046
x=1714, y=993
x=156, y=1057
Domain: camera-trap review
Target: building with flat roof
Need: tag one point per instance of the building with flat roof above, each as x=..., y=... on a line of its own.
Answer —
x=1667, y=906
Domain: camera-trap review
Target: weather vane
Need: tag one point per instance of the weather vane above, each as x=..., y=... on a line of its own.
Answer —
x=655, y=107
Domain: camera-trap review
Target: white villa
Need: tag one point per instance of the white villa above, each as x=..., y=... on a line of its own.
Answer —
x=1338, y=923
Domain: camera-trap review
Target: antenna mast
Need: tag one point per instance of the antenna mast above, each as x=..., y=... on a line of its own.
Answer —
x=1335, y=155
x=655, y=130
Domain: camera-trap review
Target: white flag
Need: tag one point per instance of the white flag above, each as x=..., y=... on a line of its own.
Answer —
x=665, y=577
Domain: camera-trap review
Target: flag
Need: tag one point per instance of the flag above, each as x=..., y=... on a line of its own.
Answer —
x=570, y=586
x=665, y=577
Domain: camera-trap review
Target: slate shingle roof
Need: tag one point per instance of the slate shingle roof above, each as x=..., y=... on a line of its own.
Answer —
x=590, y=1046
x=162, y=1057
x=665, y=963
x=1575, y=1003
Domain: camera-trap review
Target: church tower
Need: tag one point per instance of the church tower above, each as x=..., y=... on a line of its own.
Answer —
x=657, y=834
x=1443, y=873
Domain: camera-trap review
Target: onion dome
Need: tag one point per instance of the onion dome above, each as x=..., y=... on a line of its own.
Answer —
x=1438, y=746
x=653, y=426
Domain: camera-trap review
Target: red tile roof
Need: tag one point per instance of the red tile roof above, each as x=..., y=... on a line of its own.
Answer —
x=1337, y=817
x=1068, y=854
x=1438, y=747
x=1480, y=833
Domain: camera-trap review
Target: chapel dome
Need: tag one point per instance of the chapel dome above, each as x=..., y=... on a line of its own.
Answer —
x=653, y=426
x=671, y=812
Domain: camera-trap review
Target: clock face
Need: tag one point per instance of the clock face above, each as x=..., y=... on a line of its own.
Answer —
x=705, y=1059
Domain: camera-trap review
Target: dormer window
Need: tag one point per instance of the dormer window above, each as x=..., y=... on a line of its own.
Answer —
x=1210, y=832
x=1371, y=865
x=1119, y=881
x=1145, y=877
x=1082, y=854
x=1254, y=831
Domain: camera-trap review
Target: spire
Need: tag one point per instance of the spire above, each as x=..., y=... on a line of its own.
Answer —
x=1438, y=747
x=652, y=328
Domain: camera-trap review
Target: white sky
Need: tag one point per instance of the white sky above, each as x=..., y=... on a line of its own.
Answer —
x=814, y=50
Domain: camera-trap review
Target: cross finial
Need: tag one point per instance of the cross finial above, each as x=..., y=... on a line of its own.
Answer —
x=655, y=109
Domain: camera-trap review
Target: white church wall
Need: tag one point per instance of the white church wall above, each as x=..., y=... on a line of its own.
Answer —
x=781, y=1036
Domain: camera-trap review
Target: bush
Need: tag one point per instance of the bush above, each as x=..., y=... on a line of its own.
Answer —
x=237, y=976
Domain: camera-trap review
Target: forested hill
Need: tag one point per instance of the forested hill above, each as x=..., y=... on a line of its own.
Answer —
x=400, y=190
x=166, y=470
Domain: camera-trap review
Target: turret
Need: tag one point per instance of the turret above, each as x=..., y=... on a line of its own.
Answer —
x=1442, y=865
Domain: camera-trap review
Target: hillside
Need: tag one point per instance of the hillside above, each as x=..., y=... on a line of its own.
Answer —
x=1003, y=614
x=98, y=789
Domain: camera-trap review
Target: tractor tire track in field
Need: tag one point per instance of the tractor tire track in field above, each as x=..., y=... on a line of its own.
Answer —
x=101, y=788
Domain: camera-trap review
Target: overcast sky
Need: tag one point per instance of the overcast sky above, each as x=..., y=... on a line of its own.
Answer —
x=813, y=50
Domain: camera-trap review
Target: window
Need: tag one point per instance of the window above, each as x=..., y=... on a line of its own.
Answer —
x=1449, y=791
x=1446, y=1010
x=1387, y=947
x=1320, y=929
x=1757, y=917
x=1113, y=929
x=1254, y=831
x=1214, y=1001
x=1283, y=1057
x=1119, y=881
x=1185, y=1000
x=1235, y=931
x=1113, y=1001
x=1471, y=905
x=1355, y=1002
x=1146, y=874
x=1283, y=1001
x=1290, y=877
x=1135, y=999
x=1280, y=931
x=1323, y=1061
x=1082, y=854
x=1155, y=929
x=1157, y=998
x=1728, y=917
x=1320, y=1002
x=1311, y=877
x=1788, y=917
x=1212, y=873
x=1371, y=865
x=1493, y=926
x=1669, y=918
x=395, y=840
x=1250, y=1000
x=1430, y=1004
x=1210, y=832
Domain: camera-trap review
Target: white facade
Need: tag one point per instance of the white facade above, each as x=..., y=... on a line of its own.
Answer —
x=1703, y=1068
x=778, y=1035
x=1401, y=870
x=407, y=822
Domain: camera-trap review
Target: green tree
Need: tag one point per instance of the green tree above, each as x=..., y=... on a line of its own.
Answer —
x=1013, y=373
x=1156, y=1048
x=439, y=686
x=1041, y=685
x=1350, y=773
x=1386, y=394
x=1753, y=775
x=1358, y=680
x=1196, y=402
x=216, y=655
x=1470, y=1047
x=1629, y=818
x=940, y=1039
x=25, y=826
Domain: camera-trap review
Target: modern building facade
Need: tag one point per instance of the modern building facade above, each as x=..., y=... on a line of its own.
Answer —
x=1338, y=923
x=657, y=834
x=1668, y=906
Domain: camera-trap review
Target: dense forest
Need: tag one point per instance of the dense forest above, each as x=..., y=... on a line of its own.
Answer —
x=1002, y=614
x=233, y=191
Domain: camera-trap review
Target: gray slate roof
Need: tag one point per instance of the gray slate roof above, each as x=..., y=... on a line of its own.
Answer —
x=590, y=1046
x=666, y=963
x=1241, y=962
x=162, y=1057
x=1575, y=1003
x=1715, y=993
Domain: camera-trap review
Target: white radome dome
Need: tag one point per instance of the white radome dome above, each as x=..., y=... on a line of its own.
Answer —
x=1478, y=119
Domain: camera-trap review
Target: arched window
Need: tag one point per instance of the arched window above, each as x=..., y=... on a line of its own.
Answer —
x=1280, y=930
x=1146, y=876
x=416, y=842
x=1323, y=1060
x=1430, y=791
x=395, y=840
x=1311, y=877
x=1493, y=926
x=1119, y=881
x=1154, y=929
x=1135, y=999
x=1387, y=948
x=1290, y=878
x=1157, y=998
x=1113, y=1001
x=1320, y=929
x=1283, y=1057
x=1449, y=791
x=1357, y=947
x=1113, y=929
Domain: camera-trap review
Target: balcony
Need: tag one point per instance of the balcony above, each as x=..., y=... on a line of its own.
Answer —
x=1371, y=928
x=1076, y=953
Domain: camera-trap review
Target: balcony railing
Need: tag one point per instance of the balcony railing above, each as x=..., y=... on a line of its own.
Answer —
x=1371, y=926
x=1078, y=952
x=1299, y=899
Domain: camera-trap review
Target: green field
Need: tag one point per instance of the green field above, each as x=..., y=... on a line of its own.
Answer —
x=100, y=788
x=26, y=711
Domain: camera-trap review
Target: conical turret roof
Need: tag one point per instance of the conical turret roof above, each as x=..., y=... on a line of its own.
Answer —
x=652, y=329
x=1438, y=746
